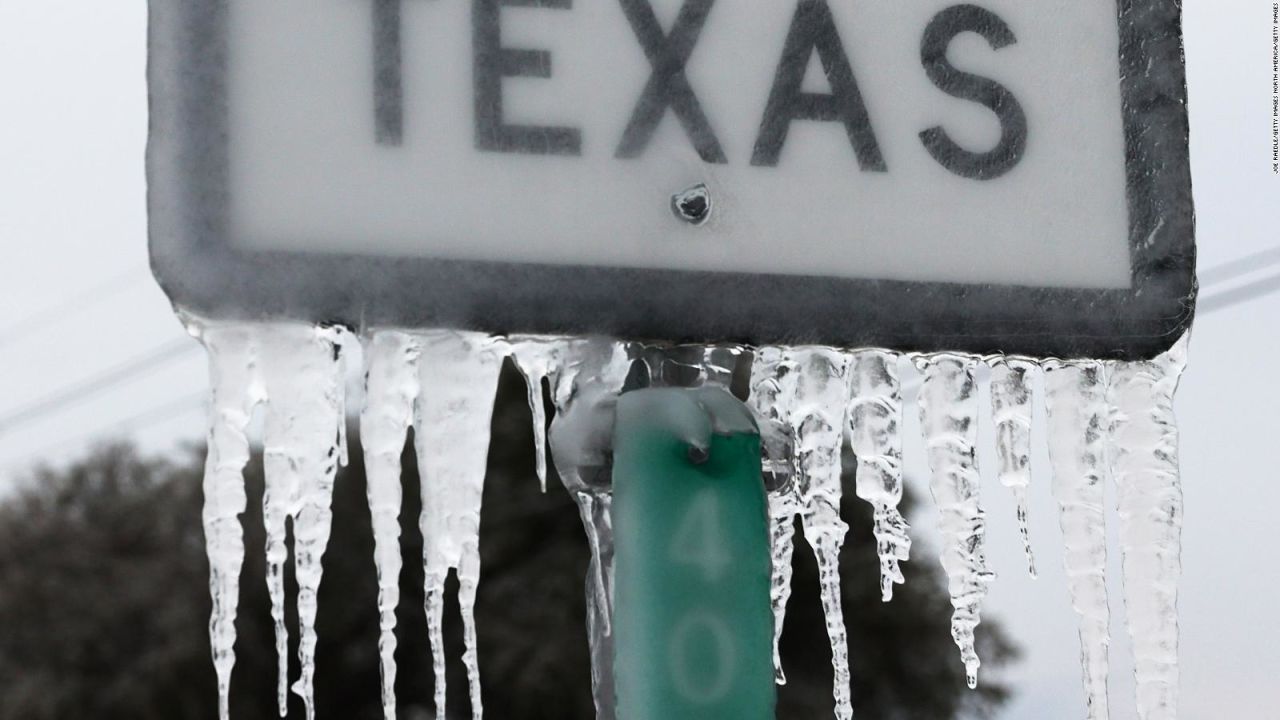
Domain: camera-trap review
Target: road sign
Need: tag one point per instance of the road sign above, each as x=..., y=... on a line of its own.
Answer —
x=692, y=620
x=1009, y=175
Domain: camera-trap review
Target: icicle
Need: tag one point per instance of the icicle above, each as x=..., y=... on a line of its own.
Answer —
x=949, y=421
x=875, y=422
x=594, y=373
x=807, y=391
x=537, y=358
x=391, y=388
x=818, y=418
x=784, y=506
x=1145, y=466
x=585, y=386
x=458, y=374
x=278, y=500
x=304, y=382
x=341, y=339
x=1011, y=411
x=235, y=392
x=1075, y=398
x=772, y=389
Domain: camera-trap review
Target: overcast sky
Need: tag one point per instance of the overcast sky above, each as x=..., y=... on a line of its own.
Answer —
x=76, y=301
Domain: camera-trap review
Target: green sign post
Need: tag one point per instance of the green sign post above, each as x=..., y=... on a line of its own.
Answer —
x=693, y=626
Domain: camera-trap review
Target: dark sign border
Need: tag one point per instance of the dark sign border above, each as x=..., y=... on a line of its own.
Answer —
x=194, y=262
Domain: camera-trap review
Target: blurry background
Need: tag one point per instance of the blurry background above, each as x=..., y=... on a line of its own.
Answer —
x=102, y=598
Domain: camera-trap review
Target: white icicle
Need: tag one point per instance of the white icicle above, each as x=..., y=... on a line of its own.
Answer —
x=392, y=387
x=1078, y=415
x=1011, y=396
x=1145, y=467
x=818, y=412
x=278, y=498
x=784, y=506
x=949, y=422
x=875, y=422
x=304, y=382
x=806, y=391
x=458, y=374
x=772, y=389
x=537, y=358
x=235, y=392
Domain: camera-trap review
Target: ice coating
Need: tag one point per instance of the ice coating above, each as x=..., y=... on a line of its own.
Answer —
x=278, y=499
x=807, y=389
x=234, y=393
x=303, y=375
x=584, y=386
x=536, y=358
x=772, y=388
x=296, y=371
x=875, y=431
x=818, y=417
x=1011, y=397
x=458, y=376
x=1144, y=463
x=391, y=389
x=688, y=366
x=1079, y=423
x=949, y=422
x=719, y=363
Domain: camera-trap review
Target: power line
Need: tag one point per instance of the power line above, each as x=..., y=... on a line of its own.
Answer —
x=1240, y=266
x=72, y=306
x=147, y=418
x=133, y=423
x=1238, y=295
x=80, y=391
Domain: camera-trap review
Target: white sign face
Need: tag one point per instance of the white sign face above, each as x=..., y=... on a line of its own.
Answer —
x=922, y=175
x=919, y=141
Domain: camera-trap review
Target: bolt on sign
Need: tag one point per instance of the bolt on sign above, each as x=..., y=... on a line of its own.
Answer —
x=1004, y=175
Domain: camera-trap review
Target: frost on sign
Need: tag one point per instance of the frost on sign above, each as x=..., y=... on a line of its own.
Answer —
x=1002, y=176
